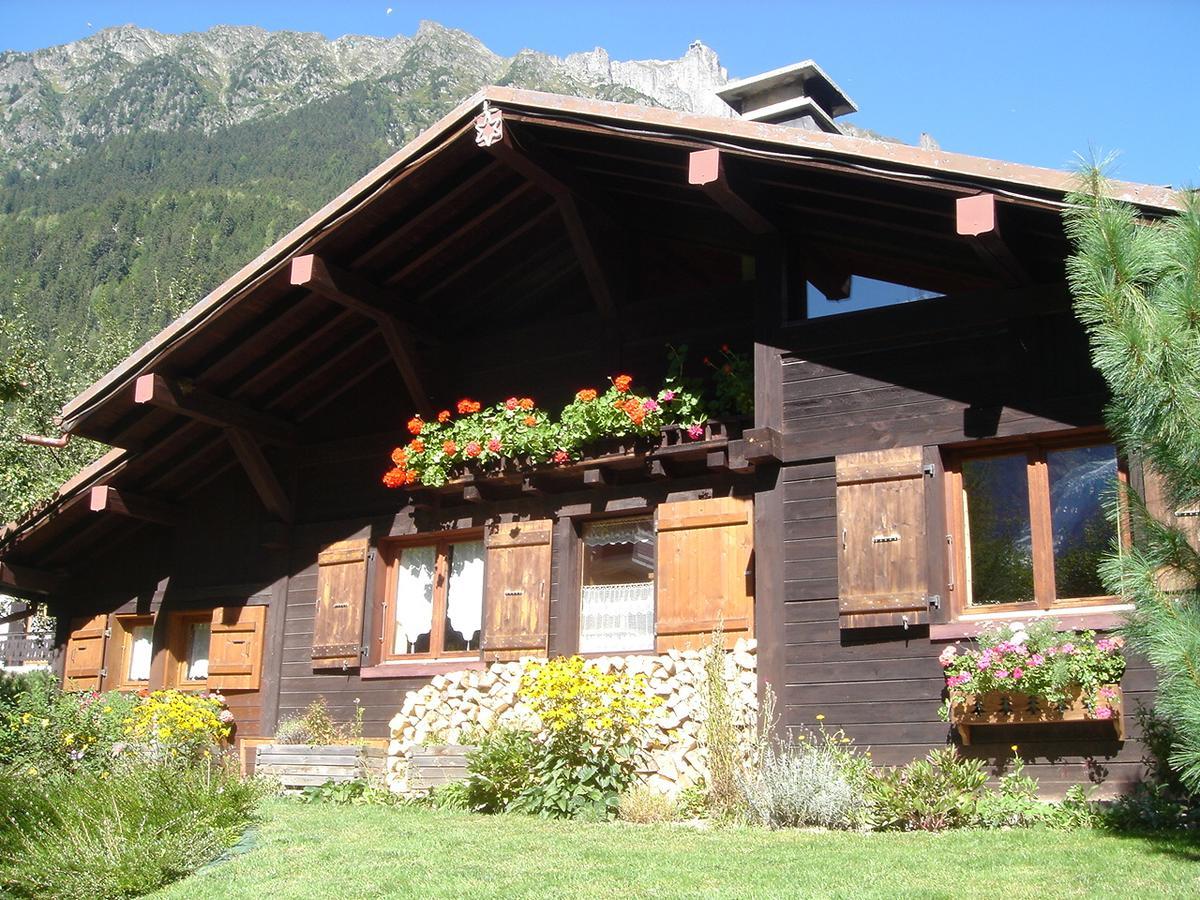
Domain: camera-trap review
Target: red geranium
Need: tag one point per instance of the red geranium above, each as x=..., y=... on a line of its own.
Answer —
x=561, y=456
x=622, y=383
x=395, y=478
x=444, y=416
x=494, y=445
x=467, y=406
x=415, y=425
x=587, y=395
x=473, y=449
x=416, y=445
x=449, y=448
x=511, y=403
x=399, y=457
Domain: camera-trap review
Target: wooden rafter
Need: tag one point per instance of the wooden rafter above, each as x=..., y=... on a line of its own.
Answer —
x=106, y=498
x=977, y=219
x=262, y=476
x=153, y=389
x=355, y=292
x=708, y=170
x=15, y=579
x=581, y=219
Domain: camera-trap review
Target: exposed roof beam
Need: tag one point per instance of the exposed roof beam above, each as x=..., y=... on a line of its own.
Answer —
x=363, y=296
x=258, y=469
x=106, y=498
x=977, y=219
x=580, y=218
x=22, y=580
x=707, y=170
x=182, y=397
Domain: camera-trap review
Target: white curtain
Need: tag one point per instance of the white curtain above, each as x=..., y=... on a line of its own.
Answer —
x=197, y=669
x=617, y=617
x=464, y=596
x=414, y=596
x=140, y=653
x=618, y=531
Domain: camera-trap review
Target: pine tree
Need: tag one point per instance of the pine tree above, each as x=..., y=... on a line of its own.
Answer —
x=1136, y=288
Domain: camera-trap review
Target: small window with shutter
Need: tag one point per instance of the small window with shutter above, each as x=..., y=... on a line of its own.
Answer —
x=83, y=667
x=236, y=637
x=136, y=653
x=883, y=545
x=433, y=604
x=189, y=640
x=616, y=603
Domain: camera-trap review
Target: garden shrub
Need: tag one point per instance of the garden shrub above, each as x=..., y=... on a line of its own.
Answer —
x=452, y=796
x=47, y=730
x=499, y=769
x=316, y=726
x=1015, y=804
x=120, y=832
x=643, y=805
x=817, y=780
x=358, y=792
x=719, y=734
x=1162, y=800
x=938, y=792
x=589, y=754
x=178, y=724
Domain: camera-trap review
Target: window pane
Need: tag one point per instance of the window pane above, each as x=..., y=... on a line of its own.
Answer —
x=197, y=658
x=1079, y=478
x=996, y=514
x=617, y=602
x=414, y=600
x=464, y=597
x=142, y=639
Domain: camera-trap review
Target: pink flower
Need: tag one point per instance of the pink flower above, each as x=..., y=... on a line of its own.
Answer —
x=1037, y=659
x=1104, y=712
x=666, y=396
x=947, y=656
x=649, y=405
x=494, y=445
x=983, y=663
x=1018, y=672
x=1067, y=648
x=1002, y=673
x=695, y=432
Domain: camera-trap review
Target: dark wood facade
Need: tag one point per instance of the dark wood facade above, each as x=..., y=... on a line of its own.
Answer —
x=574, y=251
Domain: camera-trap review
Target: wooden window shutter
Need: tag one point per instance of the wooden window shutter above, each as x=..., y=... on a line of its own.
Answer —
x=703, y=571
x=1185, y=518
x=84, y=666
x=883, y=547
x=341, y=591
x=235, y=648
x=516, y=597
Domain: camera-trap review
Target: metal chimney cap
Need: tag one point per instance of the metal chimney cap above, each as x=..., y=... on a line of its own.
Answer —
x=805, y=78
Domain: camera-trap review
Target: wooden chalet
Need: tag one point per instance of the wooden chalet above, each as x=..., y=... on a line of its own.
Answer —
x=238, y=536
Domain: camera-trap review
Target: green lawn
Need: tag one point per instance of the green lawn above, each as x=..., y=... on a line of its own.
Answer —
x=349, y=852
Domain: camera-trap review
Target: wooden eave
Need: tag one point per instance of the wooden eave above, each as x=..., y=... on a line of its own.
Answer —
x=445, y=225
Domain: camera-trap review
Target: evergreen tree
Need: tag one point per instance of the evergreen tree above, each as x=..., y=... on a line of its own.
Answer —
x=1136, y=287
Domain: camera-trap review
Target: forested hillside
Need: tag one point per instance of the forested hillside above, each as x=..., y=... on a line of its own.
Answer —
x=139, y=170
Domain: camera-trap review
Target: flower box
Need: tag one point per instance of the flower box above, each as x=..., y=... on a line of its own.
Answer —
x=1005, y=708
x=298, y=766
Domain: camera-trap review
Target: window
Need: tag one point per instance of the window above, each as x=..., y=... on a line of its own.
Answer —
x=189, y=635
x=617, y=592
x=137, y=650
x=435, y=599
x=1031, y=525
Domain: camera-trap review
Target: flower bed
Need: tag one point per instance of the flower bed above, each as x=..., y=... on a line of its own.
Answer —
x=518, y=435
x=1020, y=675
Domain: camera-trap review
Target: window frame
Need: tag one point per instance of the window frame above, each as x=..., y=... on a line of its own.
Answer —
x=581, y=556
x=390, y=552
x=180, y=625
x=1035, y=448
x=127, y=624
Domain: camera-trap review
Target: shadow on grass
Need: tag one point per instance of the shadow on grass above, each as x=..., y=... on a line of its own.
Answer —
x=1181, y=845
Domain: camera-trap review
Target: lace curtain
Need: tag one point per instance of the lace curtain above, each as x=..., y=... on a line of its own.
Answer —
x=616, y=617
x=464, y=597
x=140, y=653
x=618, y=531
x=414, y=597
x=197, y=669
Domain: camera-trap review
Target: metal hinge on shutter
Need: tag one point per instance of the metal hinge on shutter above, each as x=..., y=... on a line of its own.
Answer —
x=934, y=601
x=928, y=470
x=103, y=672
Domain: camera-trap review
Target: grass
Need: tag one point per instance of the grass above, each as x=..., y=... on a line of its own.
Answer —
x=350, y=852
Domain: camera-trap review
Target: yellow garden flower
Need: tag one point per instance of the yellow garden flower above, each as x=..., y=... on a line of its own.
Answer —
x=31, y=771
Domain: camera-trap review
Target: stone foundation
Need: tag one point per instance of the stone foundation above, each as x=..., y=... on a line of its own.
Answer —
x=452, y=708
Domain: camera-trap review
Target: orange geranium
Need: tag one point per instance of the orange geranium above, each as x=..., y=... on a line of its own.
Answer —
x=416, y=445
x=449, y=448
x=400, y=457
x=395, y=478
x=511, y=403
x=525, y=403
x=415, y=425
x=467, y=406
x=410, y=477
x=587, y=395
x=622, y=383
x=530, y=421
x=444, y=416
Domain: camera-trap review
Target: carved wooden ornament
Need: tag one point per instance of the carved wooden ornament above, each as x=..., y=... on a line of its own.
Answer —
x=489, y=126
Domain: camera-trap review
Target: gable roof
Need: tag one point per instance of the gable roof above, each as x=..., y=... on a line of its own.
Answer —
x=441, y=187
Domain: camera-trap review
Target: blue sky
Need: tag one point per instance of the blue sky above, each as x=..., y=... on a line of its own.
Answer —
x=1032, y=82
